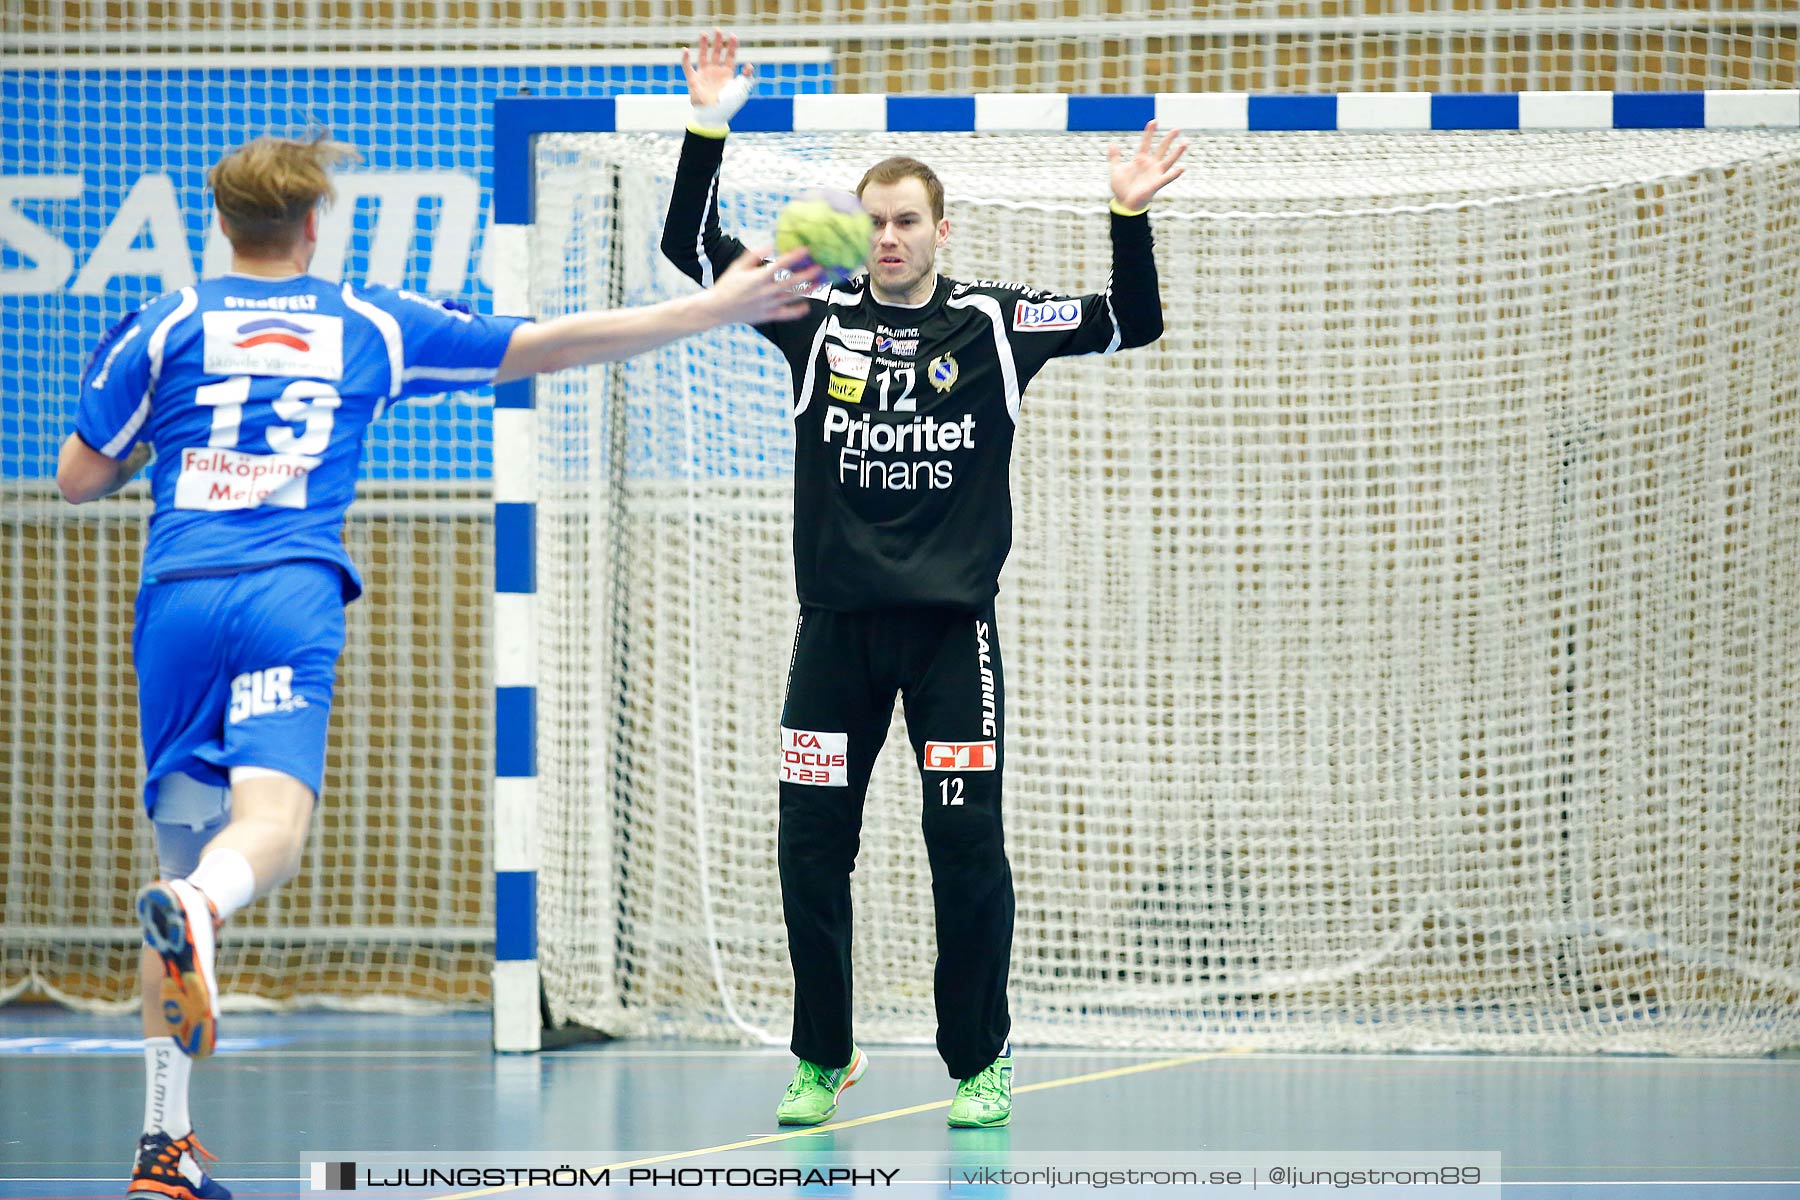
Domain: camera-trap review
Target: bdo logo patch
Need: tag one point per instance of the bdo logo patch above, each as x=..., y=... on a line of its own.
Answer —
x=1041, y=318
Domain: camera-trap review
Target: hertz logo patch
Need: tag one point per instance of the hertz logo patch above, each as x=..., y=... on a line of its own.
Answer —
x=850, y=391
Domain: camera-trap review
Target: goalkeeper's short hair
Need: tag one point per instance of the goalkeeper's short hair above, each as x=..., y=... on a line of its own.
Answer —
x=893, y=170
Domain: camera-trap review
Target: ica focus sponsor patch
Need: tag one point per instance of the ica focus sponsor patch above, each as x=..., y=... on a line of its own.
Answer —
x=959, y=756
x=1051, y=314
x=222, y=480
x=847, y=362
x=820, y=759
x=850, y=391
x=265, y=343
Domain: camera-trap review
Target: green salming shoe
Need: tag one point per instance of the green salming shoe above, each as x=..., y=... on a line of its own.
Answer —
x=984, y=1101
x=812, y=1096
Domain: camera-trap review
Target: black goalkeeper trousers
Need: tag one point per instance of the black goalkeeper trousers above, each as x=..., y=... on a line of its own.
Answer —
x=845, y=672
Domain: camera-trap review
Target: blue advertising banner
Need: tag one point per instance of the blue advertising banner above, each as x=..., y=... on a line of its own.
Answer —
x=103, y=205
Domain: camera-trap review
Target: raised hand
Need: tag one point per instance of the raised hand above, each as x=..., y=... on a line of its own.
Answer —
x=1136, y=179
x=712, y=64
x=757, y=292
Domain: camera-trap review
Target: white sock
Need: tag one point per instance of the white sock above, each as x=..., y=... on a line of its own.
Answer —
x=225, y=877
x=166, y=1088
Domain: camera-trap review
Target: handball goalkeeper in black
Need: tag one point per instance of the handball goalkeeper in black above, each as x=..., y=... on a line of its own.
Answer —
x=907, y=387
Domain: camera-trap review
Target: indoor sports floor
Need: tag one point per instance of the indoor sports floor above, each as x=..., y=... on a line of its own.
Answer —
x=286, y=1089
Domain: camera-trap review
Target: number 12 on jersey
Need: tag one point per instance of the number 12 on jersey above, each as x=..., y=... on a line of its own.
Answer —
x=902, y=379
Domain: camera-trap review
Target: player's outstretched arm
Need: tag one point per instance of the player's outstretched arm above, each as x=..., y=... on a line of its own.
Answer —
x=751, y=292
x=717, y=88
x=83, y=473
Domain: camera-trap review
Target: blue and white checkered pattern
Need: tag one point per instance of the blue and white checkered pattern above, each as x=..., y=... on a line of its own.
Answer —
x=516, y=854
x=518, y=119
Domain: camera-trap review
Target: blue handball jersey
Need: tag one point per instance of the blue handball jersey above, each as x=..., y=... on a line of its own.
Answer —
x=256, y=394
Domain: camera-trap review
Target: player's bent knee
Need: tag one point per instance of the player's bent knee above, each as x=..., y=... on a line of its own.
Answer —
x=282, y=805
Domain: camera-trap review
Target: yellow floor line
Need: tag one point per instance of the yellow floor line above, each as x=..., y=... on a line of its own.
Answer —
x=1160, y=1064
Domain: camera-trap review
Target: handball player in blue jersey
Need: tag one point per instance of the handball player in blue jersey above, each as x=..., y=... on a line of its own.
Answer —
x=253, y=392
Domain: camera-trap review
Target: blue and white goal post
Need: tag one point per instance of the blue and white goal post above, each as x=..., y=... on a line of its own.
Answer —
x=670, y=907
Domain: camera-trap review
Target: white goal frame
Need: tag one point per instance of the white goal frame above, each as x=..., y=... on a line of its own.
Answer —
x=519, y=120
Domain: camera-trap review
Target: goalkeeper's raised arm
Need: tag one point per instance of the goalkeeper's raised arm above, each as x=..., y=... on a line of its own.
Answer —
x=1133, y=293
x=1042, y=325
x=717, y=87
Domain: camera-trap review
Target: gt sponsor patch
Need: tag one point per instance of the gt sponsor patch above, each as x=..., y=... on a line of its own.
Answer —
x=899, y=347
x=850, y=391
x=1042, y=318
x=847, y=362
x=813, y=757
x=304, y=346
x=960, y=756
x=227, y=480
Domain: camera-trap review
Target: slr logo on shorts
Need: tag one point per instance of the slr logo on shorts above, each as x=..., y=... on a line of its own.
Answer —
x=820, y=759
x=959, y=756
x=259, y=693
x=1052, y=314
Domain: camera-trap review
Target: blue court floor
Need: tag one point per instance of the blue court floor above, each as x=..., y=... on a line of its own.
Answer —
x=402, y=1095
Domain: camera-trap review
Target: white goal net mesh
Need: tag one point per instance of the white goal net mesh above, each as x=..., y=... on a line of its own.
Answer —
x=1404, y=651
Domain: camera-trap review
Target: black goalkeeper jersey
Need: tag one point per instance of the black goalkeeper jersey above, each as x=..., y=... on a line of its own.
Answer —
x=904, y=417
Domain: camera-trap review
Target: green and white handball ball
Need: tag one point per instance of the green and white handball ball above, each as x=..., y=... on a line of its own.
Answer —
x=833, y=228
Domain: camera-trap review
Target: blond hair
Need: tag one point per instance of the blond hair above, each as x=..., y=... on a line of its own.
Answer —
x=264, y=189
x=893, y=170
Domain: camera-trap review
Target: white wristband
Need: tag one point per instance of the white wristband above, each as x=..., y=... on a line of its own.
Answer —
x=731, y=98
